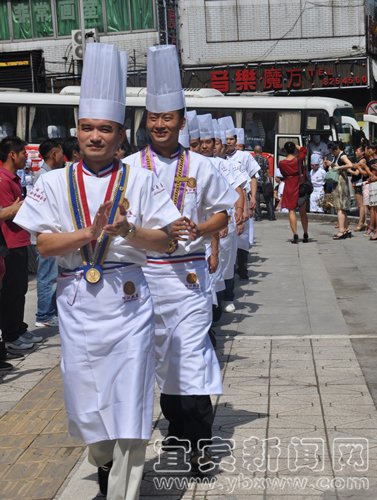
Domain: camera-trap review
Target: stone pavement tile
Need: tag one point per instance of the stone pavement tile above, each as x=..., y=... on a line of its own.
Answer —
x=304, y=466
x=284, y=410
x=343, y=353
x=56, y=439
x=27, y=471
x=333, y=381
x=344, y=421
x=10, y=455
x=306, y=423
x=15, y=440
x=54, y=454
x=32, y=422
x=246, y=381
x=58, y=424
x=230, y=409
x=332, y=365
x=294, y=379
x=354, y=410
x=295, y=392
x=300, y=486
x=338, y=394
x=289, y=355
x=256, y=390
x=241, y=420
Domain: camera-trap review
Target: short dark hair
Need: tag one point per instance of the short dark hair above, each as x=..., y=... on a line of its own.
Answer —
x=9, y=144
x=337, y=145
x=47, y=146
x=290, y=147
x=70, y=146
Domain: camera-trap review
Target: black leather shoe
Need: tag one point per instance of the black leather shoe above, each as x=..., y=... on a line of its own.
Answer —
x=103, y=477
x=212, y=336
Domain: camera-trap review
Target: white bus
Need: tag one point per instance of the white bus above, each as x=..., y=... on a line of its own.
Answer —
x=268, y=120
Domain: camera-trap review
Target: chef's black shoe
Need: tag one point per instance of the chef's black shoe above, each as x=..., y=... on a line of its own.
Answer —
x=103, y=477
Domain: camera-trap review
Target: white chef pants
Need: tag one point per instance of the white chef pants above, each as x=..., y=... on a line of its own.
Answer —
x=128, y=456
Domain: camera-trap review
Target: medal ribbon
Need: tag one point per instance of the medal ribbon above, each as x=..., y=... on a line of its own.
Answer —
x=181, y=173
x=81, y=216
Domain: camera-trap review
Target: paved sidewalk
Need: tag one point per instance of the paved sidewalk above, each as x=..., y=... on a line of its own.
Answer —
x=299, y=368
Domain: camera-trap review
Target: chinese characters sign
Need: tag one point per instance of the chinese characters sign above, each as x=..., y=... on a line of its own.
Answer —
x=280, y=77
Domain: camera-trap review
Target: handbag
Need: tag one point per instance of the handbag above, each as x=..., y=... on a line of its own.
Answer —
x=268, y=190
x=305, y=185
x=332, y=176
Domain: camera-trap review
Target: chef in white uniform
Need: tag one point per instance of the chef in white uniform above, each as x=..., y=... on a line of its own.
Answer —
x=228, y=236
x=187, y=367
x=317, y=176
x=96, y=216
x=248, y=164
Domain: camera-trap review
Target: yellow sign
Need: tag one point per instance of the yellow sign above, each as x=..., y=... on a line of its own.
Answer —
x=5, y=64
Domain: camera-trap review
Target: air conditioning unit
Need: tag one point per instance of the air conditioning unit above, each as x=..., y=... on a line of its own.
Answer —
x=91, y=35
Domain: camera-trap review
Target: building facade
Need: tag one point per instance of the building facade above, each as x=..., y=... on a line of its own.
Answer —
x=48, y=26
x=280, y=46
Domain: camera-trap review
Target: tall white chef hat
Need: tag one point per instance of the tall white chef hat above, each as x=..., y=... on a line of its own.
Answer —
x=103, y=83
x=315, y=159
x=164, y=86
x=193, y=124
x=223, y=136
x=226, y=123
x=216, y=129
x=184, y=137
x=205, y=126
x=240, y=133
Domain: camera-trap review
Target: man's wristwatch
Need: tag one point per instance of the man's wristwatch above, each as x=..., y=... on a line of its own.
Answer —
x=130, y=233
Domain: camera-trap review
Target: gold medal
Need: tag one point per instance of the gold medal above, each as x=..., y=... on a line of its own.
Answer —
x=191, y=182
x=129, y=288
x=126, y=204
x=92, y=275
x=173, y=245
x=191, y=278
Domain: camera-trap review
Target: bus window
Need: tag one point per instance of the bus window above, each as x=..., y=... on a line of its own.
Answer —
x=317, y=120
x=48, y=122
x=8, y=120
x=289, y=122
x=373, y=132
x=255, y=125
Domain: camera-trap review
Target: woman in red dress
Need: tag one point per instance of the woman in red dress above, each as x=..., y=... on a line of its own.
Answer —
x=290, y=199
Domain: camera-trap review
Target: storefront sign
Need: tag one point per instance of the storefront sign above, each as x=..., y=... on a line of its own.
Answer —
x=319, y=75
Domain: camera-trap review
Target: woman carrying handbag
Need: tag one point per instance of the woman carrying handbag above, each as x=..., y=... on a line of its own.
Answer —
x=341, y=193
x=292, y=170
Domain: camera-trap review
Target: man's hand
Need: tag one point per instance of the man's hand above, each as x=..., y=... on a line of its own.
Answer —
x=238, y=215
x=213, y=262
x=253, y=202
x=16, y=205
x=240, y=228
x=183, y=229
x=224, y=232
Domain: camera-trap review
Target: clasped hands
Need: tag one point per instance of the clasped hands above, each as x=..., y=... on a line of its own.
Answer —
x=183, y=229
x=119, y=227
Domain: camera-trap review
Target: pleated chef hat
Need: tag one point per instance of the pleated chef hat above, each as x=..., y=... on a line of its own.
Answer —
x=184, y=137
x=193, y=124
x=164, y=86
x=205, y=126
x=226, y=123
x=103, y=83
x=216, y=129
x=240, y=133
